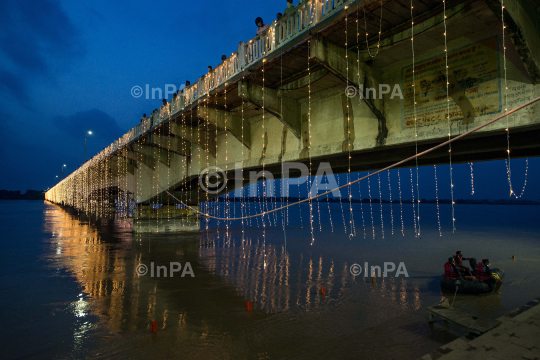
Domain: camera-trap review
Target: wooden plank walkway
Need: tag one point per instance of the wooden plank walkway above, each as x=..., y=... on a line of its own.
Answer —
x=471, y=323
x=516, y=338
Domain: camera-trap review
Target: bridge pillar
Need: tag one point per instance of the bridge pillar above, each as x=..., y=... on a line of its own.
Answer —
x=285, y=109
x=343, y=63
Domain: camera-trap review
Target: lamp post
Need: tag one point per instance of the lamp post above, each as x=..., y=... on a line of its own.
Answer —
x=62, y=172
x=85, y=135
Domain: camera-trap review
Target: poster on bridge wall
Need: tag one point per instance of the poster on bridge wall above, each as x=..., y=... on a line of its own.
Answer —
x=475, y=88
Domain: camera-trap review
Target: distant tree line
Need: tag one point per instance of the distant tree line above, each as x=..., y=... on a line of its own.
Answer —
x=16, y=195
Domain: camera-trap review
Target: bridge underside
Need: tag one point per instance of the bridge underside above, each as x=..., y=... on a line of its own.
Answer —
x=291, y=105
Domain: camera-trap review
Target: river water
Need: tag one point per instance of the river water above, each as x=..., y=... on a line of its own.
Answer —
x=69, y=286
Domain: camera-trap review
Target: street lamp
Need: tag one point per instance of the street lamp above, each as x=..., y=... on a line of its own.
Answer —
x=88, y=133
x=62, y=173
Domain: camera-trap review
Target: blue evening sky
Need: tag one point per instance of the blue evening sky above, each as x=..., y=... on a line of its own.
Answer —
x=67, y=67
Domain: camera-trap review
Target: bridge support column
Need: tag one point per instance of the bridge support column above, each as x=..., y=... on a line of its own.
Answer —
x=285, y=109
x=344, y=65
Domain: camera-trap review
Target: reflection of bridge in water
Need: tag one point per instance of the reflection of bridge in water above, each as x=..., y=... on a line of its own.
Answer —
x=280, y=98
x=103, y=257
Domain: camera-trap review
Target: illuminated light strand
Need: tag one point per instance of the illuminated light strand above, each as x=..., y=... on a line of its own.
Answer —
x=358, y=82
x=396, y=164
x=448, y=117
x=437, y=200
x=341, y=206
x=472, y=178
x=380, y=205
x=370, y=207
x=216, y=199
x=361, y=207
x=309, y=145
x=284, y=212
x=227, y=200
x=328, y=205
x=263, y=166
x=508, y=159
x=391, y=205
x=380, y=30
x=413, y=203
x=415, y=118
x=242, y=195
x=351, y=217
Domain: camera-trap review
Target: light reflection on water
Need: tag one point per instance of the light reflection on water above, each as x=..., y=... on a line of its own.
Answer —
x=109, y=308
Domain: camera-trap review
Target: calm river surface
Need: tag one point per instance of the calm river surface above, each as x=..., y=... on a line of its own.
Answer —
x=69, y=286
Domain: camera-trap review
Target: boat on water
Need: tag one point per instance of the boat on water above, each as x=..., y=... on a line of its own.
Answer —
x=469, y=286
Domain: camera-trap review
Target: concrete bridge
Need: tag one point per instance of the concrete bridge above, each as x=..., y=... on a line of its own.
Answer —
x=310, y=89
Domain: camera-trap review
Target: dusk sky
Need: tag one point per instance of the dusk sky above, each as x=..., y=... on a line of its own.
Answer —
x=67, y=67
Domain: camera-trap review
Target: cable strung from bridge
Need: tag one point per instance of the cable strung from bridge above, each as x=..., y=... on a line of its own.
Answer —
x=352, y=182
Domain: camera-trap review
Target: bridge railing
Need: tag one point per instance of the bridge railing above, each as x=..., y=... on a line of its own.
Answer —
x=304, y=15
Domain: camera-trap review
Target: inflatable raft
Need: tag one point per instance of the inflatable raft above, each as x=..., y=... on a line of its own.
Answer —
x=469, y=286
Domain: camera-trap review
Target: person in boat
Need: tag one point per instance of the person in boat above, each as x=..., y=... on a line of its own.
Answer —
x=451, y=271
x=483, y=272
x=459, y=262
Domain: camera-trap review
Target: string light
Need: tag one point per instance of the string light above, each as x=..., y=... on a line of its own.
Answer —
x=380, y=30
x=227, y=200
x=472, y=178
x=358, y=82
x=351, y=217
x=284, y=217
x=370, y=206
x=328, y=205
x=415, y=117
x=263, y=164
x=242, y=195
x=437, y=199
x=508, y=159
x=380, y=205
x=413, y=203
x=361, y=206
x=309, y=145
x=391, y=204
x=341, y=206
x=448, y=117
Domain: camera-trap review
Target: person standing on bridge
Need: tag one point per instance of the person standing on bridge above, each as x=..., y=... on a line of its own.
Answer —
x=261, y=26
x=289, y=8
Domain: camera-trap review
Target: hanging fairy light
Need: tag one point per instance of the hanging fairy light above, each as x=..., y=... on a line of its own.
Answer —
x=437, y=199
x=227, y=200
x=472, y=178
x=370, y=206
x=380, y=31
x=415, y=117
x=309, y=146
x=263, y=165
x=448, y=117
x=242, y=195
x=391, y=205
x=413, y=203
x=361, y=206
x=508, y=159
x=380, y=205
x=358, y=82
x=328, y=205
x=351, y=218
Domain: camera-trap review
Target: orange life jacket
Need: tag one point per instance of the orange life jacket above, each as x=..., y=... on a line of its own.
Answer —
x=481, y=273
x=449, y=273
